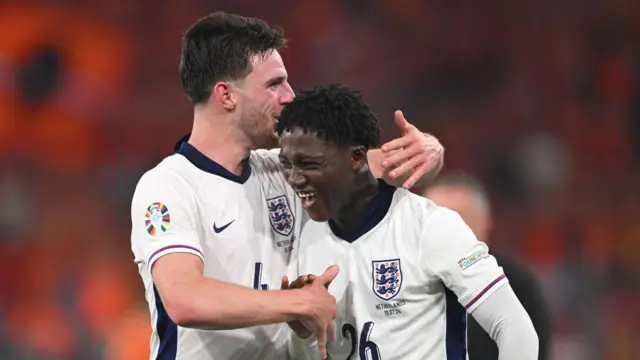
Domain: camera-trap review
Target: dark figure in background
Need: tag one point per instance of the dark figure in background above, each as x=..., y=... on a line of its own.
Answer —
x=464, y=194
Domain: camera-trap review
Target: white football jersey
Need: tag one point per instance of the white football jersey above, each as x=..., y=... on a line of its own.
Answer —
x=242, y=227
x=407, y=279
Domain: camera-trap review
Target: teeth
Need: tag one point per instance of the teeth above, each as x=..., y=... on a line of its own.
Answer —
x=306, y=195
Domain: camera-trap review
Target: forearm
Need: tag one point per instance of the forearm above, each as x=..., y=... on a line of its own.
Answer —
x=216, y=305
x=502, y=316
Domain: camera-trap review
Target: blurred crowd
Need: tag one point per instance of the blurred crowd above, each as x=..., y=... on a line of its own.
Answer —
x=539, y=99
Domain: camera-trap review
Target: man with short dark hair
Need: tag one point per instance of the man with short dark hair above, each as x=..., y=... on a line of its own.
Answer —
x=410, y=270
x=214, y=224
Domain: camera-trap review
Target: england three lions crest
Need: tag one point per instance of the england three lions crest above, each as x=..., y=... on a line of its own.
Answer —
x=387, y=278
x=280, y=215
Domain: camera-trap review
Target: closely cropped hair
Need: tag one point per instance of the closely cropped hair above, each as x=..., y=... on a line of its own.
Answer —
x=336, y=113
x=220, y=47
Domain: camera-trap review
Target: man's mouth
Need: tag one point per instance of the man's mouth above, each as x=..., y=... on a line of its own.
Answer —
x=308, y=198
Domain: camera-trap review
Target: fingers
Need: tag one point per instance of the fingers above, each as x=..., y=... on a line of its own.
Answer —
x=400, y=156
x=284, y=283
x=302, y=281
x=400, y=121
x=330, y=274
x=322, y=342
x=413, y=179
x=397, y=144
x=407, y=168
x=331, y=331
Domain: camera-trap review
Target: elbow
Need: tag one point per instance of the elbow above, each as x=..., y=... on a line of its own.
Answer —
x=529, y=338
x=535, y=341
x=182, y=308
x=529, y=334
x=183, y=314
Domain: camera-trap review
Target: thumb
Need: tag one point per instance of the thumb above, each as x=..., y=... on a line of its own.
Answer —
x=330, y=274
x=401, y=122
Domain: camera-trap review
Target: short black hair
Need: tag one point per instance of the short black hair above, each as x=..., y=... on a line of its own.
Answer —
x=334, y=112
x=219, y=47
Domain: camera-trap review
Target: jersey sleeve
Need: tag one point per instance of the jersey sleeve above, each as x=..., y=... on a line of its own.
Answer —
x=163, y=211
x=463, y=263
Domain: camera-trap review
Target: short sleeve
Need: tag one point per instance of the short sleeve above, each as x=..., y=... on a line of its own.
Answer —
x=163, y=213
x=463, y=263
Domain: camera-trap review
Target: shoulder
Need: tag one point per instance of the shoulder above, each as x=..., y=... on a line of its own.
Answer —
x=424, y=210
x=265, y=160
x=435, y=225
x=169, y=171
x=167, y=179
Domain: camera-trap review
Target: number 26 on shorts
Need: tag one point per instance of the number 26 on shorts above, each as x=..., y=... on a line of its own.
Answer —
x=363, y=346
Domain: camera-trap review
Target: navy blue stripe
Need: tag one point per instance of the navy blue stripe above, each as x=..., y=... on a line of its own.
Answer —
x=167, y=331
x=456, y=328
x=202, y=162
x=484, y=291
x=370, y=217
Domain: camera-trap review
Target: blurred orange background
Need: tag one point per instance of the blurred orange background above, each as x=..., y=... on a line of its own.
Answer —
x=540, y=100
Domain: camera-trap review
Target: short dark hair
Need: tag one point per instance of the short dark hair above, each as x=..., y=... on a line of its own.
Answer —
x=336, y=113
x=219, y=47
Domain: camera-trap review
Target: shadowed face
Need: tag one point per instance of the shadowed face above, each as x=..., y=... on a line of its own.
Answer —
x=321, y=173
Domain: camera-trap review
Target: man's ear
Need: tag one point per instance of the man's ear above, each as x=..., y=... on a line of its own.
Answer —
x=358, y=157
x=223, y=93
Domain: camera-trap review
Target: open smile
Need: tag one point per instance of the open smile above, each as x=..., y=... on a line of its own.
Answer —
x=308, y=198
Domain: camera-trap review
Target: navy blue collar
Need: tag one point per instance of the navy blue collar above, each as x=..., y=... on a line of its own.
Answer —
x=373, y=214
x=202, y=162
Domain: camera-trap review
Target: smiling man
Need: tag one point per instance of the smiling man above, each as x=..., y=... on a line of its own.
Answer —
x=410, y=270
x=214, y=224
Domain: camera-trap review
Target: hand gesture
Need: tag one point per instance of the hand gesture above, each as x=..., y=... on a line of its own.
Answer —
x=322, y=307
x=416, y=154
x=299, y=283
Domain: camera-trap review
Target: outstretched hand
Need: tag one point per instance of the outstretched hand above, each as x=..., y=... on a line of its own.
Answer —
x=415, y=154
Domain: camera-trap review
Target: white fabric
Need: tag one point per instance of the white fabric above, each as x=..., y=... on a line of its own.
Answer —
x=504, y=318
x=263, y=219
x=435, y=265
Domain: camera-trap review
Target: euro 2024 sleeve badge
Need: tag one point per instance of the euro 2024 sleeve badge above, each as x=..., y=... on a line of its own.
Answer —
x=157, y=218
